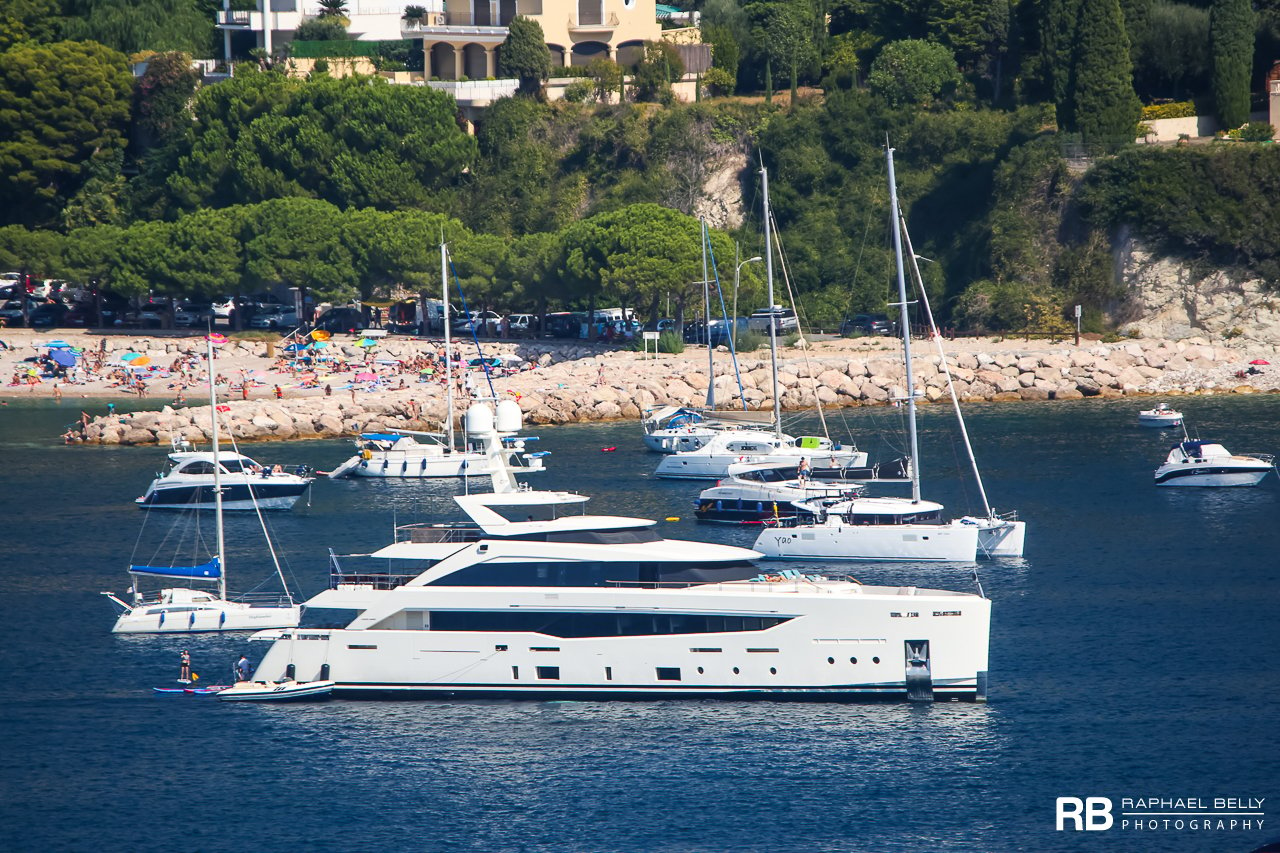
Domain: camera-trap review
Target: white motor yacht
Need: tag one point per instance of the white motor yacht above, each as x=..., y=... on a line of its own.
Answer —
x=530, y=598
x=245, y=485
x=1160, y=416
x=758, y=493
x=712, y=460
x=679, y=429
x=401, y=454
x=1204, y=463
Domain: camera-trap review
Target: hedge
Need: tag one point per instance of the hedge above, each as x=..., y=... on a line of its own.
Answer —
x=1179, y=109
x=347, y=49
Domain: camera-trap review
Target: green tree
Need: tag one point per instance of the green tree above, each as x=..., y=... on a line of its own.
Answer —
x=98, y=201
x=139, y=265
x=606, y=77
x=29, y=20
x=61, y=106
x=524, y=55
x=841, y=61
x=130, y=26
x=1058, y=39
x=913, y=72
x=333, y=9
x=1174, y=57
x=298, y=242
x=37, y=253
x=1231, y=33
x=162, y=99
x=658, y=69
x=725, y=52
x=205, y=255
x=1105, y=107
x=790, y=39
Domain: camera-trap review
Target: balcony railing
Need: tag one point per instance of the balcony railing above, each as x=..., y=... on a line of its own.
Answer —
x=609, y=23
x=239, y=18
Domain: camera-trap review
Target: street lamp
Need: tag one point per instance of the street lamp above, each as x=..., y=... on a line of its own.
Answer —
x=736, y=271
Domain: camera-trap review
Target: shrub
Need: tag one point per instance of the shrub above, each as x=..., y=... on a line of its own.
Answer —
x=670, y=342
x=321, y=29
x=791, y=339
x=1257, y=131
x=578, y=91
x=718, y=82
x=749, y=341
x=1178, y=109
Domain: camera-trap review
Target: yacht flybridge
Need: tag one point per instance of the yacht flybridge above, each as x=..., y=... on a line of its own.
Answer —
x=532, y=598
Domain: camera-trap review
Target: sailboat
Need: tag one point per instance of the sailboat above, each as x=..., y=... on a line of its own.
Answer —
x=399, y=453
x=183, y=609
x=891, y=528
x=712, y=460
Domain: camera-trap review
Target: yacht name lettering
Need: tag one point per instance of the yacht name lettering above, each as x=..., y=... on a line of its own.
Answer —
x=893, y=614
x=947, y=613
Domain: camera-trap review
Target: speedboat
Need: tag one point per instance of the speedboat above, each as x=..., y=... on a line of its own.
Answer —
x=401, y=454
x=270, y=691
x=246, y=485
x=1160, y=416
x=1204, y=463
x=712, y=460
x=679, y=429
x=532, y=598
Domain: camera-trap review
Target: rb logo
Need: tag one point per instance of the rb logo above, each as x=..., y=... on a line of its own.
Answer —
x=1092, y=814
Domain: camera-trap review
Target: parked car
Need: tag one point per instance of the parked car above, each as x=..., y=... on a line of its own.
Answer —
x=522, y=324
x=148, y=315
x=783, y=320
x=345, y=320
x=485, y=322
x=190, y=315
x=48, y=314
x=11, y=311
x=277, y=320
x=868, y=324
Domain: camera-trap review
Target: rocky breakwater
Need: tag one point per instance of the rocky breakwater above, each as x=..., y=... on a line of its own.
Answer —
x=599, y=386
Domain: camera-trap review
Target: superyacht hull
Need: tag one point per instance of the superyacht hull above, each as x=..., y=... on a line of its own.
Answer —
x=784, y=640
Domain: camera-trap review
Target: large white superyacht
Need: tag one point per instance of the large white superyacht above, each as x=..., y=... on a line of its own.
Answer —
x=530, y=598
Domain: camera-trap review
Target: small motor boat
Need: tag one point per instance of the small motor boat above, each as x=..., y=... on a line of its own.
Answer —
x=1161, y=416
x=1203, y=463
x=272, y=691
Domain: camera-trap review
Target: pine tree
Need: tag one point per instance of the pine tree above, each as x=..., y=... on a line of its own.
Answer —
x=1231, y=25
x=1105, y=107
x=1059, y=22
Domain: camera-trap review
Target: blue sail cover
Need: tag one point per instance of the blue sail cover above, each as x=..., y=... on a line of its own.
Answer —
x=210, y=571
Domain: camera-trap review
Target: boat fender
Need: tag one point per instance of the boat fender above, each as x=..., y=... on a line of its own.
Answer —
x=161, y=625
x=222, y=618
x=191, y=623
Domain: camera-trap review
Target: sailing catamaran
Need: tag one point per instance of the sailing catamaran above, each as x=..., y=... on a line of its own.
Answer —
x=890, y=528
x=182, y=609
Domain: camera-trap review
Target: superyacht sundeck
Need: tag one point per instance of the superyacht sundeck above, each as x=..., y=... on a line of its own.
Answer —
x=530, y=598
x=246, y=485
x=1205, y=463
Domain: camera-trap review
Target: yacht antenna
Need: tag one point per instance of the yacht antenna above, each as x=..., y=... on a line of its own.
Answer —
x=448, y=347
x=217, y=477
x=905, y=321
x=773, y=320
x=706, y=307
x=946, y=368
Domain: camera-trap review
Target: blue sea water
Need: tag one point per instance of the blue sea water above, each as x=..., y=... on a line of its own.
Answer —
x=1133, y=654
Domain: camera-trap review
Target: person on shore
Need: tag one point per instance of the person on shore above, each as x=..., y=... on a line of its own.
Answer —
x=243, y=668
x=279, y=393
x=184, y=668
x=328, y=390
x=57, y=392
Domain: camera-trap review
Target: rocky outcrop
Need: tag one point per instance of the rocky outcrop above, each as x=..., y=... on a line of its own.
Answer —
x=598, y=386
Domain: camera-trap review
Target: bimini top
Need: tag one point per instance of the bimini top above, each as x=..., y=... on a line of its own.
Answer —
x=1201, y=449
x=224, y=456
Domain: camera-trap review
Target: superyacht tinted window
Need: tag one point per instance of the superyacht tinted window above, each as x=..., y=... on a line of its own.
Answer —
x=590, y=573
x=578, y=625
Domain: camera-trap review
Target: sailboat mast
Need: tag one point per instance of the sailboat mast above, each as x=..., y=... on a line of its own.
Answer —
x=946, y=369
x=448, y=348
x=773, y=321
x=217, y=475
x=706, y=302
x=905, y=322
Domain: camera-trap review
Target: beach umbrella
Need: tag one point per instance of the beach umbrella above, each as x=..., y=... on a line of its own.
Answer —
x=366, y=376
x=131, y=356
x=366, y=342
x=63, y=357
x=216, y=338
x=320, y=345
x=1260, y=361
x=140, y=361
x=320, y=335
x=59, y=344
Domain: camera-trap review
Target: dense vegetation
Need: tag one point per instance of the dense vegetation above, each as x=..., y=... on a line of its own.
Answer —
x=344, y=187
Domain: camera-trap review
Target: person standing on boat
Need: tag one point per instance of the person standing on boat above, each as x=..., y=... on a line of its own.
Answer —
x=802, y=471
x=243, y=668
x=184, y=671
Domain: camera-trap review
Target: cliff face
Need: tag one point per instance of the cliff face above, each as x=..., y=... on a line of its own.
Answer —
x=1172, y=299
